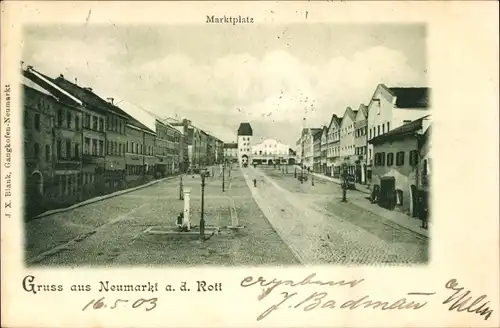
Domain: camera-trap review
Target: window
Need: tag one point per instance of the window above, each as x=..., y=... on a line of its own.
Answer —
x=413, y=157
x=77, y=122
x=94, y=146
x=94, y=123
x=59, y=117
x=101, y=124
x=383, y=128
x=87, y=121
x=388, y=127
x=86, y=149
x=47, y=152
x=378, y=129
x=36, y=150
x=400, y=158
x=390, y=159
x=101, y=148
x=68, y=149
x=37, y=122
x=59, y=149
x=77, y=151
x=68, y=120
x=382, y=159
x=120, y=149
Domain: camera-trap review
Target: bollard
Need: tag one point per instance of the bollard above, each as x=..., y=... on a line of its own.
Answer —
x=255, y=182
x=187, y=202
x=202, y=220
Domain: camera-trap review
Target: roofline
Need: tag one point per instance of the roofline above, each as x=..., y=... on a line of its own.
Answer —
x=140, y=129
x=54, y=85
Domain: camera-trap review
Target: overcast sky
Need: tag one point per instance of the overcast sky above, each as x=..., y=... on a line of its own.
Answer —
x=218, y=75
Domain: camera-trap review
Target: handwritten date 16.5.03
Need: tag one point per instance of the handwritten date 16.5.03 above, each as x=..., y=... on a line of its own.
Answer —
x=101, y=303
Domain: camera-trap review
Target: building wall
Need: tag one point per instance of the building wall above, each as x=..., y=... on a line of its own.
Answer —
x=39, y=118
x=271, y=151
x=116, y=142
x=347, y=137
x=134, y=158
x=379, y=116
x=405, y=175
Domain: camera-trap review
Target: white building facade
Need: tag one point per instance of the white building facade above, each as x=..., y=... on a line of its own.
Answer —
x=390, y=108
x=271, y=151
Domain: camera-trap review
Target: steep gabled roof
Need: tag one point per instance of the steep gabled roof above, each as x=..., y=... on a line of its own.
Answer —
x=324, y=129
x=402, y=131
x=335, y=119
x=316, y=133
x=411, y=97
x=245, y=129
x=364, y=109
x=349, y=112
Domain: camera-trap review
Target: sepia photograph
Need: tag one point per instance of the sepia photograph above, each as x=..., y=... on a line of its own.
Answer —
x=197, y=145
x=243, y=164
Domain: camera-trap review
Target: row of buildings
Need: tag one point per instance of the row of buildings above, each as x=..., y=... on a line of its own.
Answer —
x=383, y=144
x=78, y=144
x=267, y=151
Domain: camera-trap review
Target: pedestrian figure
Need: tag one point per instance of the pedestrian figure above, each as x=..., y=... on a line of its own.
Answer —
x=255, y=182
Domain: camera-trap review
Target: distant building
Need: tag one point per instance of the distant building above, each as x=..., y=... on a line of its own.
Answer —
x=347, y=140
x=396, y=164
x=317, y=149
x=271, y=151
x=324, y=150
x=333, y=147
x=245, y=134
x=231, y=152
x=360, y=143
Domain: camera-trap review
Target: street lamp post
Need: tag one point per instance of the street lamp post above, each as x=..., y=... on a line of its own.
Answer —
x=202, y=220
x=223, y=166
x=181, y=190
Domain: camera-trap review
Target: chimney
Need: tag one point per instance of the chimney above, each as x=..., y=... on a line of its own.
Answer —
x=76, y=81
x=61, y=76
x=88, y=88
x=30, y=67
x=110, y=100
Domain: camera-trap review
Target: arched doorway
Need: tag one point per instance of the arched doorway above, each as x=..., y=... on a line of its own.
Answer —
x=291, y=161
x=36, y=183
x=244, y=160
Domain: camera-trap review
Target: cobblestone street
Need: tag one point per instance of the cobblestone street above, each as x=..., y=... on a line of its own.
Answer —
x=286, y=222
x=111, y=231
x=322, y=229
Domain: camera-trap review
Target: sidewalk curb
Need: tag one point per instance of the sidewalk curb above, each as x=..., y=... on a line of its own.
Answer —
x=327, y=179
x=411, y=229
x=100, y=198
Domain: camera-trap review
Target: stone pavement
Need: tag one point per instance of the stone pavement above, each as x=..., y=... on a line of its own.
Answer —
x=399, y=218
x=317, y=235
x=111, y=232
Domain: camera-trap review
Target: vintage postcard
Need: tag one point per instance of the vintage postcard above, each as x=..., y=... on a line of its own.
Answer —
x=241, y=164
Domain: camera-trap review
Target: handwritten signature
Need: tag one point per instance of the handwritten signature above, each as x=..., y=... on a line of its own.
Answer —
x=320, y=300
x=102, y=303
